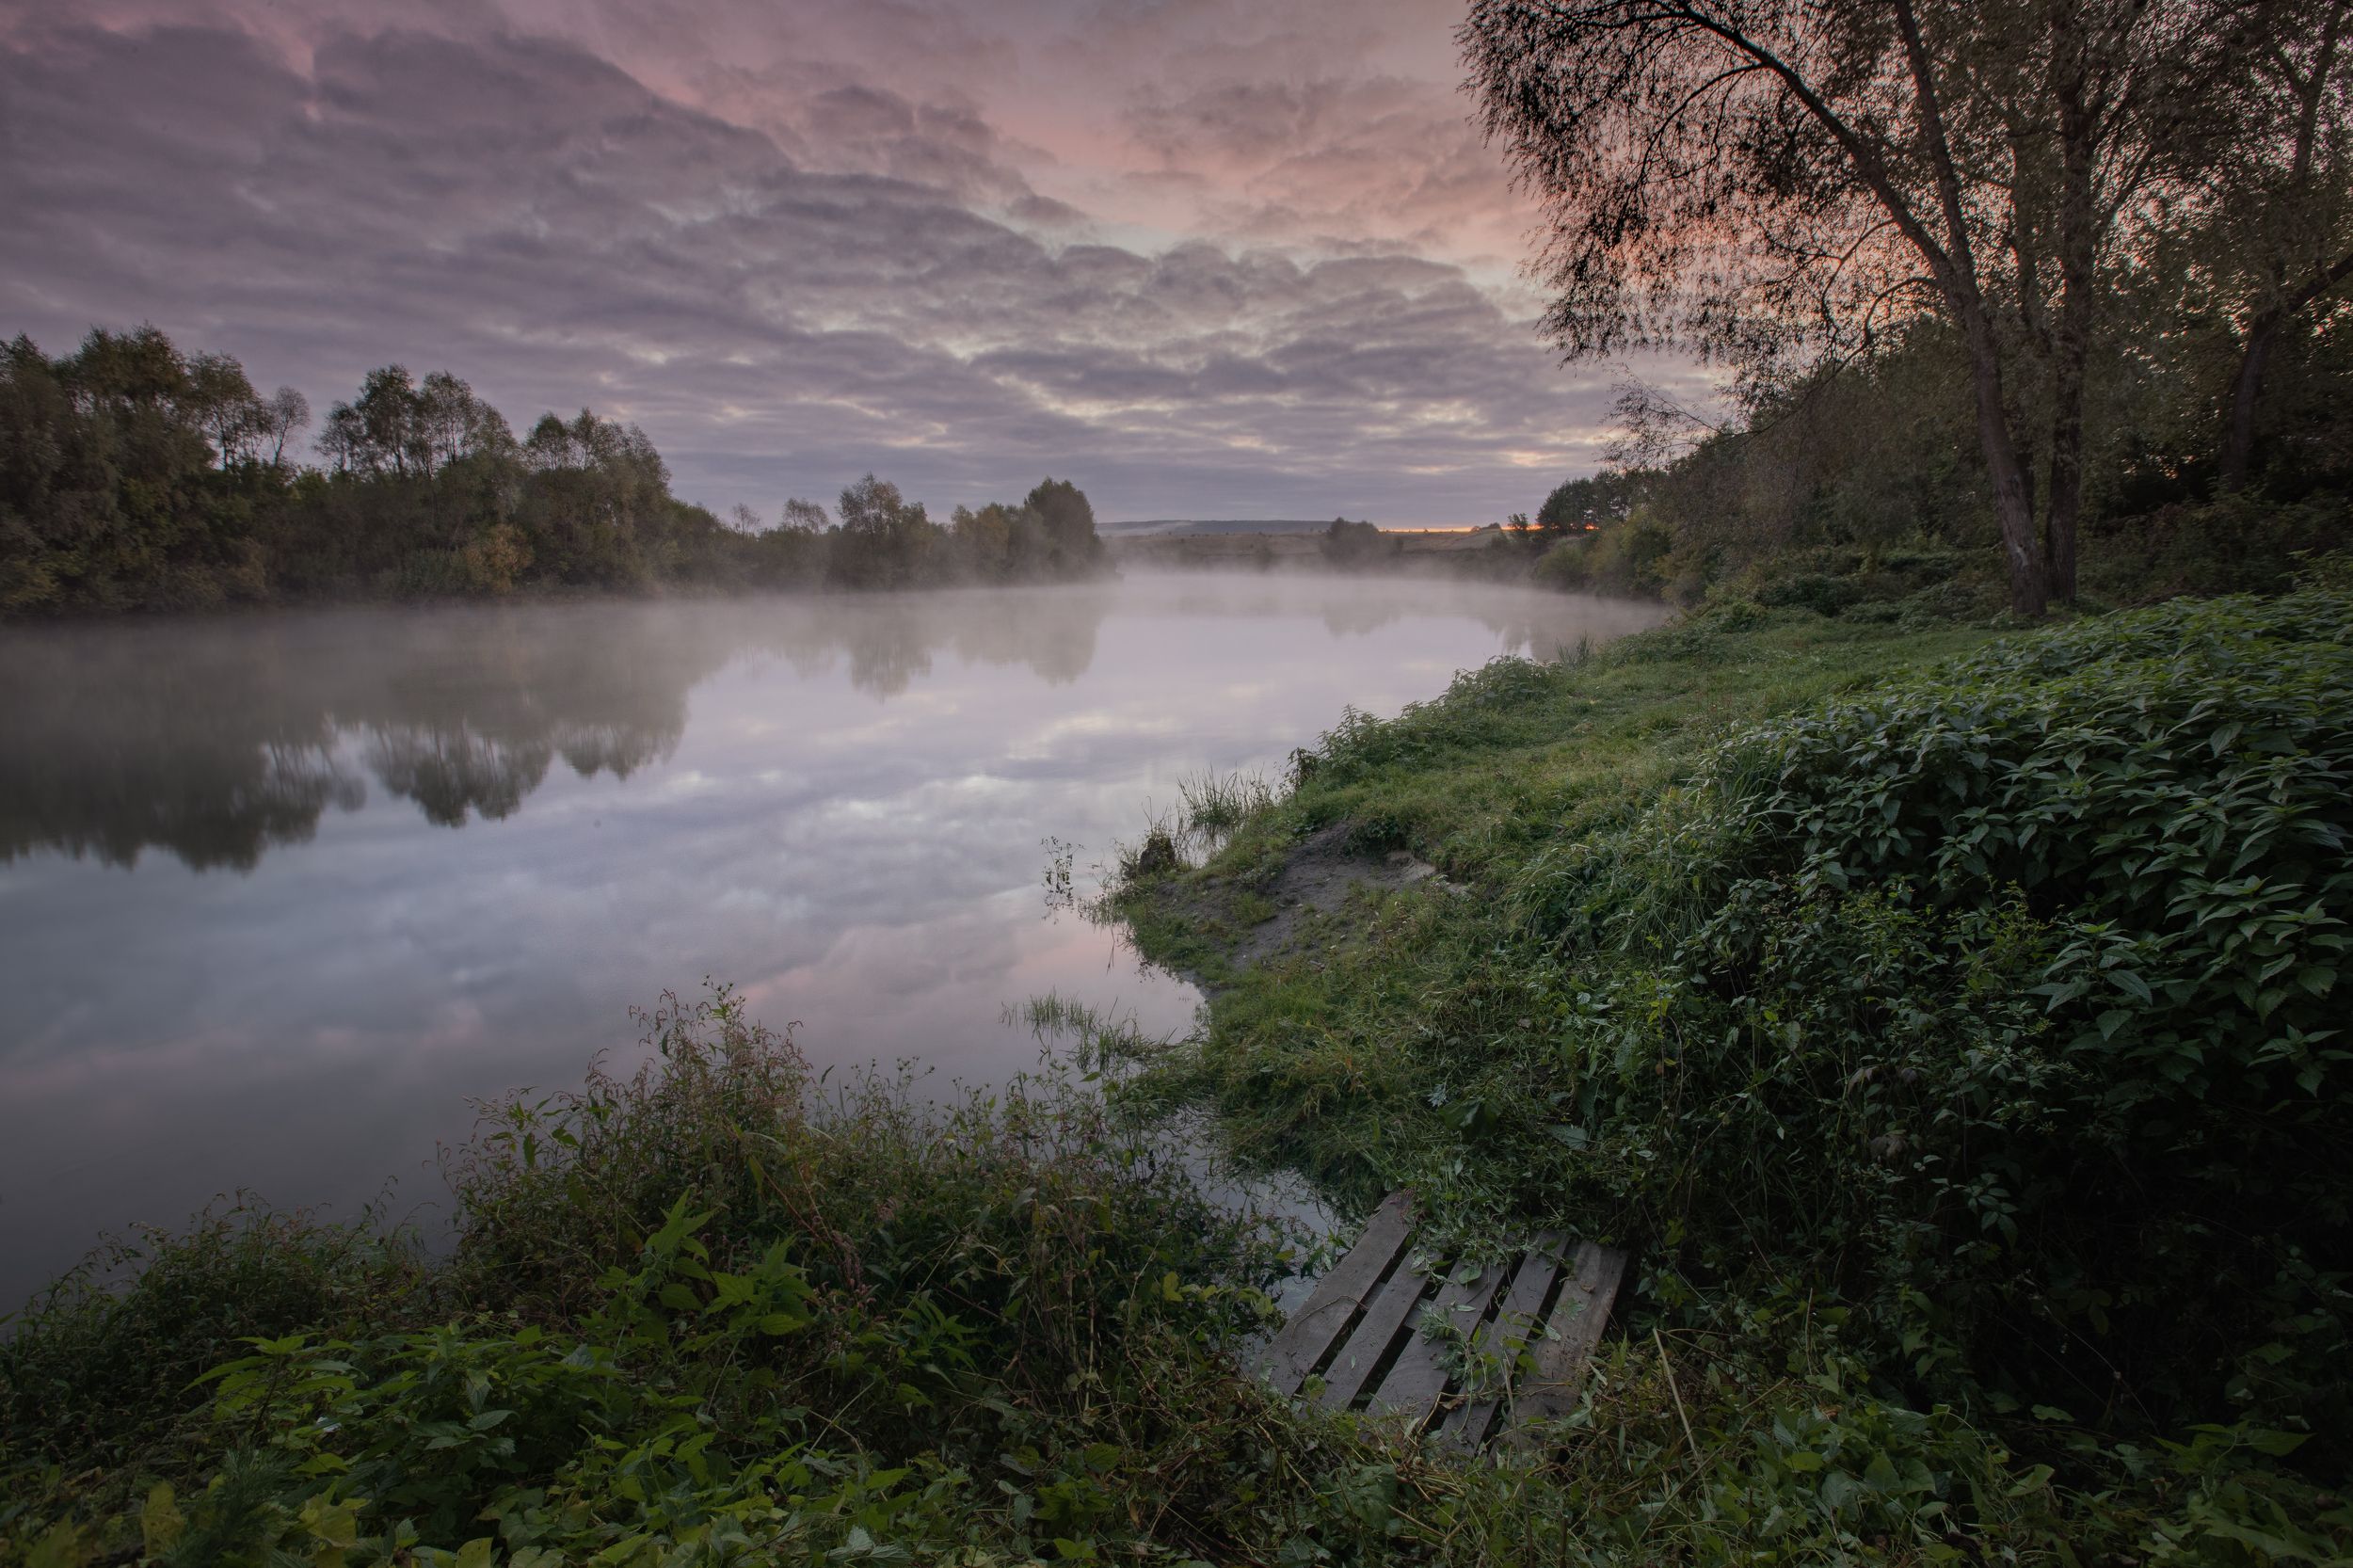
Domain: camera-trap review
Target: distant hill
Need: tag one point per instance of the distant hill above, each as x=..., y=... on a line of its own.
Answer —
x=1230, y=525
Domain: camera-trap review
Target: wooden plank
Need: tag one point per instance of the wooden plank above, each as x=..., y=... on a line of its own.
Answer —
x=1385, y=1316
x=1515, y=1326
x=1362, y=1319
x=1295, y=1352
x=1574, y=1328
x=1420, y=1375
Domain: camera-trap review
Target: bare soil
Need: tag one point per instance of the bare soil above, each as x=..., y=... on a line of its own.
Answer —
x=1317, y=878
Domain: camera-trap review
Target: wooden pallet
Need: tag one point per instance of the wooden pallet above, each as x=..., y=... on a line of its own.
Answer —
x=1364, y=1340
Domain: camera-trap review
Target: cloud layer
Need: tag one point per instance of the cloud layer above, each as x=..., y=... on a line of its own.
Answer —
x=1204, y=260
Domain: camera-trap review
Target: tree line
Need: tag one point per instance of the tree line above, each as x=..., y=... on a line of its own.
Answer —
x=2059, y=258
x=136, y=476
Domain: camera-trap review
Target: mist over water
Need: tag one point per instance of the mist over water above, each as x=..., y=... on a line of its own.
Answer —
x=279, y=895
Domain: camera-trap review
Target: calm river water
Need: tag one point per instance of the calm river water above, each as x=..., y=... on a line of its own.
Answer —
x=280, y=894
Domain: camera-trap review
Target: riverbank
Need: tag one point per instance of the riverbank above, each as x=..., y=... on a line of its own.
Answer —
x=1936, y=1013
x=157, y=480
x=724, y=1308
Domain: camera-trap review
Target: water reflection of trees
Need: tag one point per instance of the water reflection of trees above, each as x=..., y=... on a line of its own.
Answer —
x=217, y=741
x=888, y=644
x=123, y=738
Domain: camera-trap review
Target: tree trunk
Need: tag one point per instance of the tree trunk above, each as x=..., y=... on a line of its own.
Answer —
x=2058, y=522
x=2013, y=501
x=2064, y=506
x=1955, y=271
x=2238, y=443
x=2072, y=339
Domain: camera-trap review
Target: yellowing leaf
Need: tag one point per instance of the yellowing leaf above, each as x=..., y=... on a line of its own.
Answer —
x=160, y=1520
x=60, y=1548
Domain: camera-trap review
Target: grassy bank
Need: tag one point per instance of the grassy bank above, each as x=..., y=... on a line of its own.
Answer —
x=1721, y=966
x=1945, y=1021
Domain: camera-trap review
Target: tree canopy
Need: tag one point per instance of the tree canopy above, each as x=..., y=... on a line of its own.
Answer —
x=1785, y=185
x=135, y=475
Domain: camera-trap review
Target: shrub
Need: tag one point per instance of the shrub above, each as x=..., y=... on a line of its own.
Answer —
x=99, y=1368
x=1824, y=596
x=704, y=1312
x=1632, y=557
x=2006, y=1002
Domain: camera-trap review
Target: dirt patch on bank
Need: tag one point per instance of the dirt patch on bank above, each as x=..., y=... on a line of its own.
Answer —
x=1317, y=877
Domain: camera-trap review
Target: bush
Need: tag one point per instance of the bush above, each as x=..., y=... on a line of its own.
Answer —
x=1824, y=596
x=1564, y=565
x=1635, y=559
x=100, y=1370
x=2004, y=1003
x=2233, y=544
x=703, y=1313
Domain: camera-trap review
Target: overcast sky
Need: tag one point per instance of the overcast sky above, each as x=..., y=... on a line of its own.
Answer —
x=1208, y=258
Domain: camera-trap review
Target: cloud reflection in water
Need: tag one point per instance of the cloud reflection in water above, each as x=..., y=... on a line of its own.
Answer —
x=277, y=894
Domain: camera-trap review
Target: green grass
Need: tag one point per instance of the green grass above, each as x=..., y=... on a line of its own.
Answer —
x=1519, y=756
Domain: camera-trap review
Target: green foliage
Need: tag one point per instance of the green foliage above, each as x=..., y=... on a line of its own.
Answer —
x=1072, y=544
x=1348, y=545
x=135, y=477
x=108, y=495
x=2231, y=544
x=1590, y=503
x=2034, y=962
x=1823, y=487
x=1973, y=1042
x=1633, y=558
x=706, y=1309
x=99, y=1368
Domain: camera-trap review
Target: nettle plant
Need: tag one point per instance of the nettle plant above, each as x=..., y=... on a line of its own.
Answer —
x=2006, y=1000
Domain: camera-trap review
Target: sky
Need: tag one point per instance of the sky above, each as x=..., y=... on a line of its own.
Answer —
x=1206, y=258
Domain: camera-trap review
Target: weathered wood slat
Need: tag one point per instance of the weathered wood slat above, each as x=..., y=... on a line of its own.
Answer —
x=1359, y=1333
x=1515, y=1326
x=1574, y=1329
x=1419, y=1374
x=1386, y=1316
x=1294, y=1352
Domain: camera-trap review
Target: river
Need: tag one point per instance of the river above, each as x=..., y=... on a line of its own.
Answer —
x=280, y=894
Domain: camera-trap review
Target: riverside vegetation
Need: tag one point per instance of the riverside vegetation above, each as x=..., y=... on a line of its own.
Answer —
x=1956, y=1049
x=135, y=476
x=1959, y=1052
